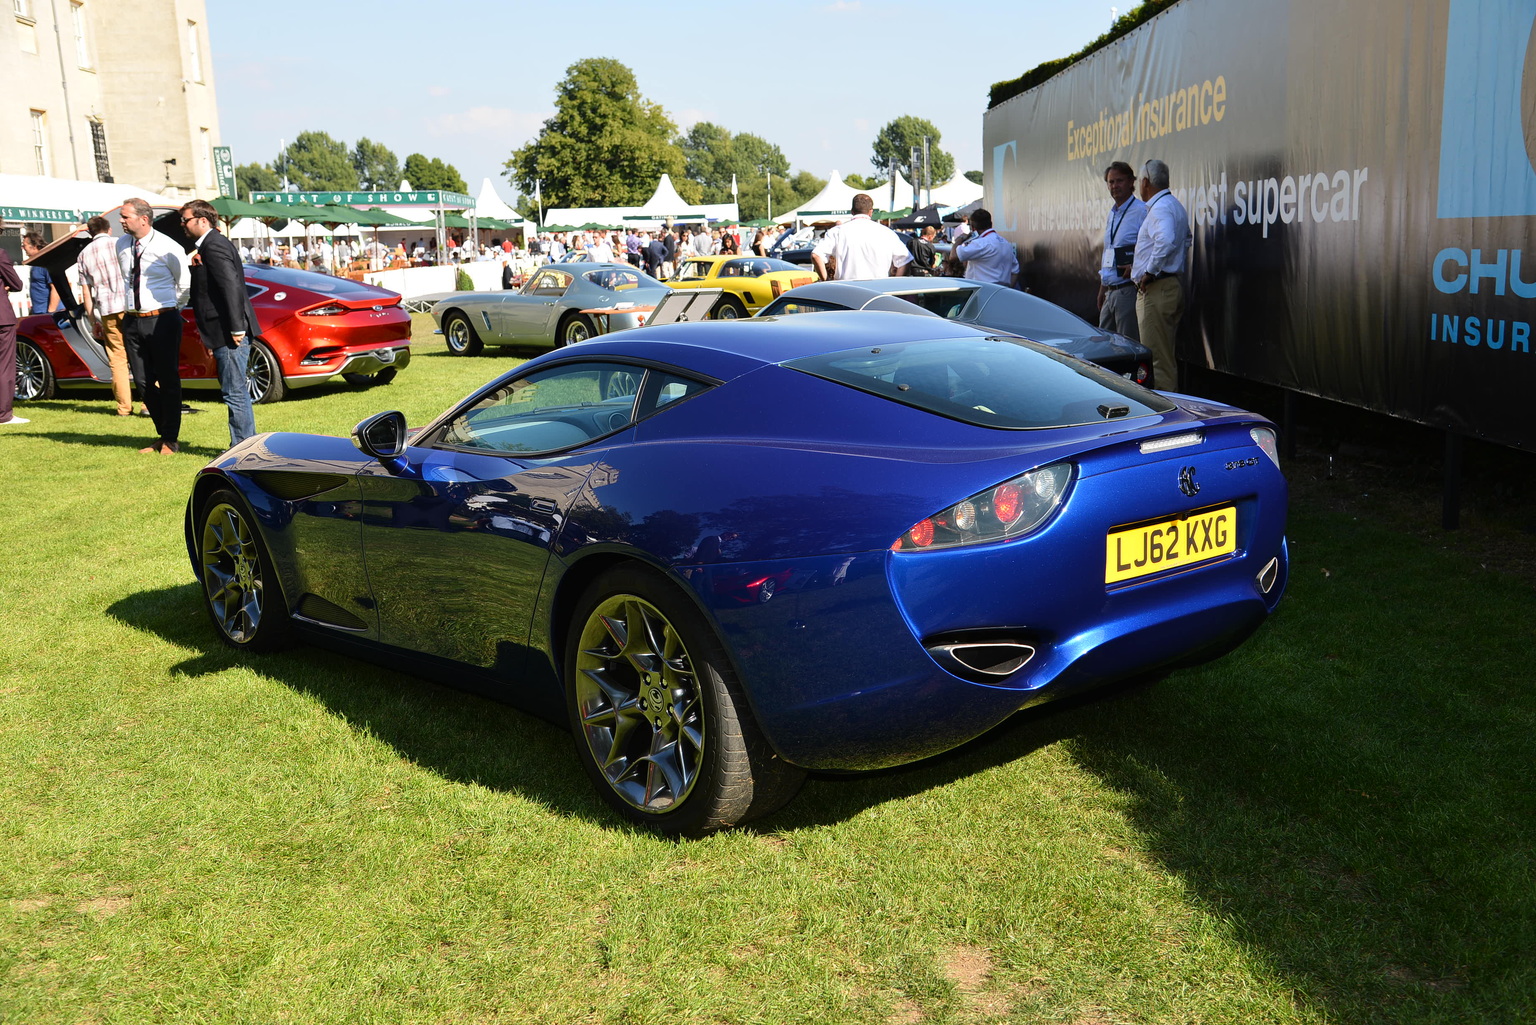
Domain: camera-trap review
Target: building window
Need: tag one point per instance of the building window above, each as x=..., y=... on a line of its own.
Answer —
x=195, y=51
x=206, y=138
x=99, y=144
x=40, y=140
x=82, y=46
x=26, y=26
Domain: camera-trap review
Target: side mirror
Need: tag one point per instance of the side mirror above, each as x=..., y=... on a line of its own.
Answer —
x=382, y=436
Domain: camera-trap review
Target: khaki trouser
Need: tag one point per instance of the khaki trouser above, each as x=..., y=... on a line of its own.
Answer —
x=117, y=356
x=1158, y=310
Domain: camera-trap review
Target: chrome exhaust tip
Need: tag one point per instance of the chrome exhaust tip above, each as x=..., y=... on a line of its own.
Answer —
x=1268, y=575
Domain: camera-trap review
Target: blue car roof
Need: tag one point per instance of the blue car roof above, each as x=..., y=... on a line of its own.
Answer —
x=726, y=349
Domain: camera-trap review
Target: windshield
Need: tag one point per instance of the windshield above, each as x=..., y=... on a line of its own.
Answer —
x=1004, y=383
x=615, y=280
x=344, y=288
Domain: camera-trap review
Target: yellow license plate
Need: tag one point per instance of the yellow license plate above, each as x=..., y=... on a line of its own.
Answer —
x=1181, y=541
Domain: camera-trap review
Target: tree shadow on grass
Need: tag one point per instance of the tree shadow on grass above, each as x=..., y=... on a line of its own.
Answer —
x=471, y=739
x=1353, y=792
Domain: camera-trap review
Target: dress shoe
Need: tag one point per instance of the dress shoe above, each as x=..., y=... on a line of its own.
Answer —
x=151, y=450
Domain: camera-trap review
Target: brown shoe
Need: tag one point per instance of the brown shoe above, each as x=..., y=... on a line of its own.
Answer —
x=151, y=450
x=170, y=448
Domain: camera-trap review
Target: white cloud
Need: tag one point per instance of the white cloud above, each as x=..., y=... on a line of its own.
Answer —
x=438, y=90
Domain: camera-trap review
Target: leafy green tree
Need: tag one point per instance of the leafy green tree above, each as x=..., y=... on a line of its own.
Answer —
x=895, y=143
x=974, y=177
x=806, y=185
x=866, y=183
x=752, y=199
x=251, y=178
x=376, y=165
x=316, y=162
x=606, y=144
x=707, y=160
x=423, y=173
x=713, y=156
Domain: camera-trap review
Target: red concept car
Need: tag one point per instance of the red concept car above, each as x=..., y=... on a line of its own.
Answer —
x=313, y=327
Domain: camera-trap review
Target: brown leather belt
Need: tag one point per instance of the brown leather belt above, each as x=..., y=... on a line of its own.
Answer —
x=150, y=313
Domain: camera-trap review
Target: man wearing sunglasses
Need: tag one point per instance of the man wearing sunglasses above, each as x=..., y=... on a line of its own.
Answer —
x=226, y=321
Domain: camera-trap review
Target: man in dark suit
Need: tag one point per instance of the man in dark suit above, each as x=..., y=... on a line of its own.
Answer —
x=225, y=318
x=10, y=282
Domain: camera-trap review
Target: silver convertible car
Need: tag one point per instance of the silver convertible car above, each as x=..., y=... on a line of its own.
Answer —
x=561, y=304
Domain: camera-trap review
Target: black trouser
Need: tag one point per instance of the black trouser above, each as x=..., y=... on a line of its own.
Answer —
x=154, y=353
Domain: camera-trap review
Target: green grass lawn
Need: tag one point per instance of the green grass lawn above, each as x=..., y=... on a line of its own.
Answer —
x=1336, y=823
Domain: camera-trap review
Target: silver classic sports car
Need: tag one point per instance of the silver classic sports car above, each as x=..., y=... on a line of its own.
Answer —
x=562, y=303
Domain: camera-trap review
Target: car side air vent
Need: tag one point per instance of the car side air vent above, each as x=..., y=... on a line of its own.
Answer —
x=983, y=656
x=292, y=487
x=316, y=609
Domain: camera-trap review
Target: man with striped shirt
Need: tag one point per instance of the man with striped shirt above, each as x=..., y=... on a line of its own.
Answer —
x=105, y=298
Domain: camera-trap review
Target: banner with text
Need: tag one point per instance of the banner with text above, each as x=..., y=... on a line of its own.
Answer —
x=1361, y=182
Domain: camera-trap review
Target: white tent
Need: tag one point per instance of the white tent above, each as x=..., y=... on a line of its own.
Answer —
x=490, y=204
x=664, y=205
x=834, y=202
x=64, y=199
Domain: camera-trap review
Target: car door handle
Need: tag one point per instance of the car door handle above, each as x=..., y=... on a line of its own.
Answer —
x=544, y=505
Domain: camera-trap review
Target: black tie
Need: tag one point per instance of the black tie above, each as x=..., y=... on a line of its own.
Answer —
x=136, y=253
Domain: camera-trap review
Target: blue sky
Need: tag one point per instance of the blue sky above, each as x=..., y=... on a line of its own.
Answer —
x=470, y=82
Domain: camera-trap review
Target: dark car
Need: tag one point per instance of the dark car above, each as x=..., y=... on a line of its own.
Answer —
x=729, y=552
x=982, y=304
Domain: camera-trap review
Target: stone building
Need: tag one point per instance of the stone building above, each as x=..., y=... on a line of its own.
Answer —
x=109, y=91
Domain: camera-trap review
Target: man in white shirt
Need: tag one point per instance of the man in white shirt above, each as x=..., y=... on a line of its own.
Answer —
x=1117, y=292
x=598, y=250
x=986, y=254
x=1156, y=266
x=154, y=271
x=860, y=248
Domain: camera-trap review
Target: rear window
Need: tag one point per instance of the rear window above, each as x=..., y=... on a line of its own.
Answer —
x=1004, y=383
x=344, y=288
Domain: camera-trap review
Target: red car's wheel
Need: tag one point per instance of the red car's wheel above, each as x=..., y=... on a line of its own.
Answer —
x=264, y=375
x=34, y=374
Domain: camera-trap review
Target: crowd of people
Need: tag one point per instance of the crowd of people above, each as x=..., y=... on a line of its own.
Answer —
x=128, y=283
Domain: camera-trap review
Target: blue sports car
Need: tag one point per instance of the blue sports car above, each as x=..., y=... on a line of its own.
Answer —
x=729, y=552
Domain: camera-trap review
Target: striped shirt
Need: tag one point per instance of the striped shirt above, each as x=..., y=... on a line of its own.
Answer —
x=103, y=275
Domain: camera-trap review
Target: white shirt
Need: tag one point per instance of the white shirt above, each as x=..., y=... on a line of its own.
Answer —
x=1163, y=239
x=988, y=257
x=163, y=271
x=1120, y=230
x=863, y=249
x=600, y=252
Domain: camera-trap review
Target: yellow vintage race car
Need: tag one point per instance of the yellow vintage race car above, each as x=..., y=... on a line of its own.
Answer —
x=750, y=282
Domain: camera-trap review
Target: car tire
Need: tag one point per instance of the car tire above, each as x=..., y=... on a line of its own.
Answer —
x=377, y=377
x=728, y=308
x=240, y=589
x=575, y=329
x=666, y=736
x=264, y=375
x=461, y=336
x=615, y=383
x=34, y=374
